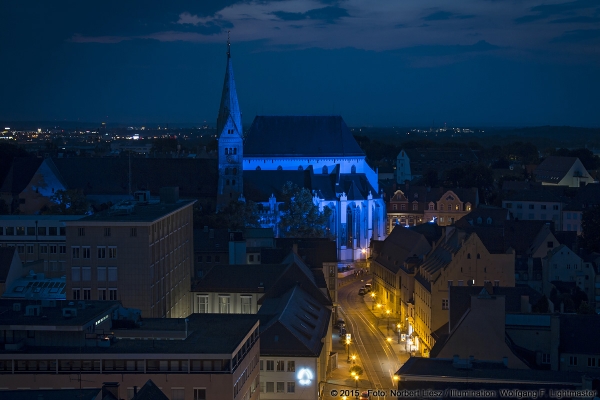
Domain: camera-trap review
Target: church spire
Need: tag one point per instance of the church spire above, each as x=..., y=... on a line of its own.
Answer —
x=230, y=107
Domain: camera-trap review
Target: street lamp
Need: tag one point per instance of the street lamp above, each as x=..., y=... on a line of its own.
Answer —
x=348, y=348
x=373, y=298
x=388, y=315
x=398, y=326
x=356, y=379
x=353, y=359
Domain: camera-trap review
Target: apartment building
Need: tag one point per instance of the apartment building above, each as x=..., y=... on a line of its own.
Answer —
x=38, y=237
x=138, y=253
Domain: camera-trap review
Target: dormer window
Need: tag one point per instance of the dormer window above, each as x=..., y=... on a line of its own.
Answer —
x=489, y=221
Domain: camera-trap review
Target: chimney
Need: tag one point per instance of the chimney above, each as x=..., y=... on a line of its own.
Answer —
x=112, y=388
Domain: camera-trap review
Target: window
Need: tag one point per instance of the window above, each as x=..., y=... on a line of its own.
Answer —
x=217, y=259
x=449, y=283
x=112, y=251
x=280, y=366
x=10, y=230
x=208, y=259
x=555, y=207
x=62, y=249
x=246, y=304
x=75, y=274
x=572, y=360
x=291, y=387
x=21, y=248
x=251, y=258
x=403, y=206
x=415, y=207
x=177, y=394
x=76, y=294
x=43, y=248
x=262, y=384
x=280, y=387
x=199, y=394
x=545, y=358
x=291, y=366
x=106, y=231
x=85, y=252
x=519, y=206
x=80, y=231
x=62, y=231
x=112, y=294
x=53, y=249
x=29, y=249
x=394, y=206
x=270, y=387
x=445, y=304
x=75, y=252
x=112, y=274
x=461, y=283
x=133, y=232
x=262, y=365
x=87, y=294
x=53, y=231
x=101, y=294
x=270, y=365
x=543, y=206
x=101, y=274
x=202, y=304
x=591, y=361
x=42, y=231
x=496, y=283
x=508, y=205
x=531, y=206
x=86, y=274
x=224, y=304
x=102, y=252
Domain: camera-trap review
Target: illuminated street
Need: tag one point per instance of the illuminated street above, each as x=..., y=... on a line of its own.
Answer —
x=378, y=357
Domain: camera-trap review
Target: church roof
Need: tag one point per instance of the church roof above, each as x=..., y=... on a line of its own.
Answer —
x=300, y=136
x=230, y=108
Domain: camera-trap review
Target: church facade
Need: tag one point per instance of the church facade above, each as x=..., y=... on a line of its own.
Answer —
x=315, y=152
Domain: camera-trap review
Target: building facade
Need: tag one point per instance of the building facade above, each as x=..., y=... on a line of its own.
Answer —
x=140, y=254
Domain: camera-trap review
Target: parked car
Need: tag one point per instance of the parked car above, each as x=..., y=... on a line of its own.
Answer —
x=340, y=323
x=362, y=291
x=368, y=287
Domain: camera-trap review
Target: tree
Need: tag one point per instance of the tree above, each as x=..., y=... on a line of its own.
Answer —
x=67, y=202
x=590, y=227
x=300, y=216
x=236, y=215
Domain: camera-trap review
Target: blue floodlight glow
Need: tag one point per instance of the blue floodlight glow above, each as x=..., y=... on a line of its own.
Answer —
x=305, y=376
x=433, y=220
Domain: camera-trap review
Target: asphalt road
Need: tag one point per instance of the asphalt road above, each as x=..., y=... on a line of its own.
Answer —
x=376, y=356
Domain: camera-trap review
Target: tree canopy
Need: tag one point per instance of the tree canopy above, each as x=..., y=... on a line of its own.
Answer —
x=300, y=217
x=67, y=202
x=236, y=215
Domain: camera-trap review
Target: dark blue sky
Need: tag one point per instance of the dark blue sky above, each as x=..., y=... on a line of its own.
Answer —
x=381, y=63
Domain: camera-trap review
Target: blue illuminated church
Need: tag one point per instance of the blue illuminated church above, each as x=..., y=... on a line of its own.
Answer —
x=315, y=152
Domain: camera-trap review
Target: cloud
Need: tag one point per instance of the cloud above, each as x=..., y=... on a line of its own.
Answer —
x=328, y=14
x=444, y=15
x=578, y=36
x=545, y=11
x=583, y=19
x=480, y=46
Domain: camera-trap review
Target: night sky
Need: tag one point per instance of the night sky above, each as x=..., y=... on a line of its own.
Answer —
x=375, y=62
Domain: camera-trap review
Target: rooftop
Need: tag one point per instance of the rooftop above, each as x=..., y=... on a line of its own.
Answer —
x=134, y=212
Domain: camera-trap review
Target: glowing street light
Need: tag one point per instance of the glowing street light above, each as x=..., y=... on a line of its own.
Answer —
x=348, y=348
x=398, y=326
x=354, y=359
x=373, y=298
x=388, y=315
x=356, y=379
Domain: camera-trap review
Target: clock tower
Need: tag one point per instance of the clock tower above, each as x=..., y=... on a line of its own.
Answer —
x=231, y=140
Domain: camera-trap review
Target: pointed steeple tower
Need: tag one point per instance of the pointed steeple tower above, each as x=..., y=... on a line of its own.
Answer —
x=231, y=140
x=229, y=111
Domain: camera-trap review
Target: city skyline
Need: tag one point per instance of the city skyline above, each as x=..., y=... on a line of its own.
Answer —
x=478, y=63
